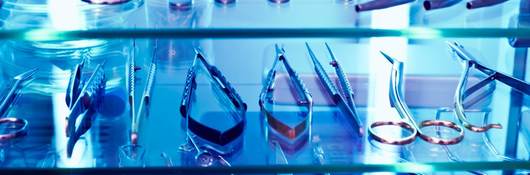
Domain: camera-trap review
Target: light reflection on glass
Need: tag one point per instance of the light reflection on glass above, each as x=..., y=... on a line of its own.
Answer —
x=378, y=101
x=65, y=15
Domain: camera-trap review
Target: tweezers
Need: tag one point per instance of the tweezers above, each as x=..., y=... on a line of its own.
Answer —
x=211, y=134
x=303, y=94
x=89, y=96
x=131, y=79
x=8, y=100
x=345, y=101
x=468, y=62
x=145, y=101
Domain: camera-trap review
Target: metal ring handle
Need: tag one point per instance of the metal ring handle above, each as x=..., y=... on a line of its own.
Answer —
x=438, y=140
x=401, y=141
x=22, y=131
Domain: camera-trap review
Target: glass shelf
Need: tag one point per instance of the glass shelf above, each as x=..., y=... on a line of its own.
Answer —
x=239, y=39
x=431, y=72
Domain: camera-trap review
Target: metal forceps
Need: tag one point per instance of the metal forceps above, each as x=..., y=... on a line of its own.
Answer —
x=303, y=94
x=86, y=96
x=19, y=123
x=468, y=61
x=195, y=126
x=146, y=96
x=407, y=121
x=345, y=101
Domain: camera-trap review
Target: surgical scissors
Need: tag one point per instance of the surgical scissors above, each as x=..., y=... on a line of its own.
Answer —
x=407, y=122
x=468, y=61
x=6, y=103
x=345, y=101
x=303, y=94
x=89, y=96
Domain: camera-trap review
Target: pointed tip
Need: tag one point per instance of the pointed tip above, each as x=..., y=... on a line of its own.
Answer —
x=308, y=47
x=134, y=138
x=330, y=52
x=102, y=63
x=454, y=45
x=279, y=51
x=26, y=74
x=81, y=63
x=198, y=51
x=390, y=59
x=312, y=54
x=69, y=148
x=278, y=48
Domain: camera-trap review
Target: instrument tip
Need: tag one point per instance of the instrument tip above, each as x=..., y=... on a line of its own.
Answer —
x=390, y=59
x=134, y=138
x=26, y=74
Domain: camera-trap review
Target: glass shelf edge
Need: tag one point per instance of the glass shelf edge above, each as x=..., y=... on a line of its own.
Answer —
x=413, y=33
x=396, y=167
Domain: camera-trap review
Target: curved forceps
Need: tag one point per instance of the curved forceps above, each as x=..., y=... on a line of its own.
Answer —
x=303, y=94
x=461, y=93
x=345, y=101
x=6, y=103
x=407, y=121
x=86, y=101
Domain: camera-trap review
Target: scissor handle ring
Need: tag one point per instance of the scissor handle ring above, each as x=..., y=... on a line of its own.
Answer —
x=401, y=141
x=17, y=133
x=442, y=123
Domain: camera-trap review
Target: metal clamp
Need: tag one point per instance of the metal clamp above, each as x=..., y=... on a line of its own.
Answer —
x=208, y=133
x=303, y=94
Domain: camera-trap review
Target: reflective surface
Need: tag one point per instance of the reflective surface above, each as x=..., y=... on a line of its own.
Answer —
x=430, y=81
x=428, y=91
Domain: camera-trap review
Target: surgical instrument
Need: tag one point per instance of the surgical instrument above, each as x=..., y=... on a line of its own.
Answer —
x=144, y=102
x=89, y=97
x=468, y=62
x=131, y=79
x=344, y=101
x=407, y=122
x=304, y=98
x=8, y=100
x=379, y=4
x=474, y=4
x=438, y=4
x=219, y=81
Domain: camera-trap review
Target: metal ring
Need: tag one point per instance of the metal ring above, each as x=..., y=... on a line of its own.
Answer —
x=442, y=123
x=401, y=141
x=17, y=133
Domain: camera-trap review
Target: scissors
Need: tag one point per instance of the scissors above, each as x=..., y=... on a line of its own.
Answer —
x=266, y=97
x=407, y=122
x=345, y=101
x=468, y=62
x=86, y=95
x=21, y=124
x=208, y=133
